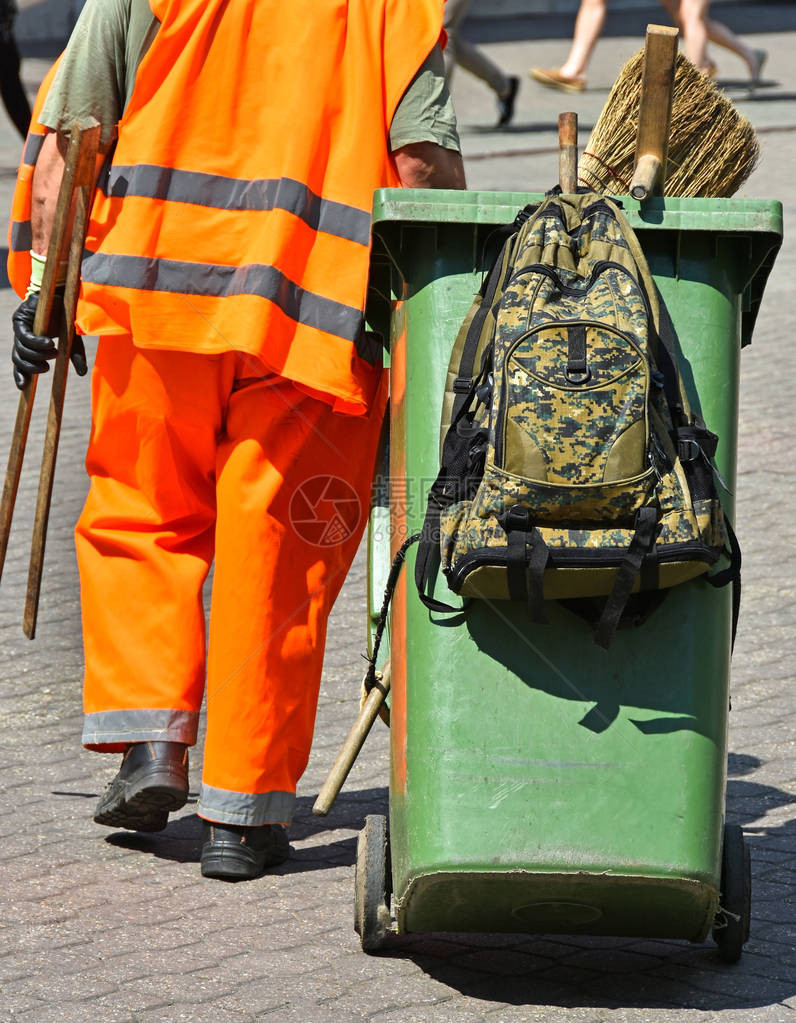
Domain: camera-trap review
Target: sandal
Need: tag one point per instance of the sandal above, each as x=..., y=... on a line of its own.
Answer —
x=553, y=79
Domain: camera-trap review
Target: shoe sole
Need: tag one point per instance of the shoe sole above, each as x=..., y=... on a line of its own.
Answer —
x=145, y=802
x=120, y=819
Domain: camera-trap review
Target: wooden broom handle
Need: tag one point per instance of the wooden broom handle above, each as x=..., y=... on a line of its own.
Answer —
x=16, y=455
x=353, y=744
x=75, y=194
x=568, y=152
x=655, y=111
x=58, y=239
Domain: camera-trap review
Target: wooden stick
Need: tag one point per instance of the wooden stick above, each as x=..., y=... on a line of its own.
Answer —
x=41, y=325
x=352, y=745
x=655, y=111
x=568, y=152
x=646, y=176
x=76, y=190
x=16, y=455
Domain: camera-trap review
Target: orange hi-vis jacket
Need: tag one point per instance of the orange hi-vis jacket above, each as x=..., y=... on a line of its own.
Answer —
x=235, y=212
x=20, y=233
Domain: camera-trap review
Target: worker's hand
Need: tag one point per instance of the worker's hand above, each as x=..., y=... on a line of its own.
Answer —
x=31, y=352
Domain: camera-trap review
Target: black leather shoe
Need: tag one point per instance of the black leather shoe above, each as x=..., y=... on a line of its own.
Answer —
x=505, y=104
x=152, y=781
x=235, y=853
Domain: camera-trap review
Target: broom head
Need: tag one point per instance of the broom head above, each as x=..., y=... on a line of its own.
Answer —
x=712, y=148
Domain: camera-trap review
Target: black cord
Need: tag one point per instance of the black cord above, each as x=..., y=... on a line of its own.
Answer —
x=389, y=589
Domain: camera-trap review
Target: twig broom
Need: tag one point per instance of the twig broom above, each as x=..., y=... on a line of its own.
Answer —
x=712, y=148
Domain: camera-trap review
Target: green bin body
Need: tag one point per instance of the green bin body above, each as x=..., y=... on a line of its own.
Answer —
x=539, y=783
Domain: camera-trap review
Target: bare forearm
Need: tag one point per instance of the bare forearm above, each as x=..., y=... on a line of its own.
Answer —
x=427, y=165
x=47, y=177
x=46, y=182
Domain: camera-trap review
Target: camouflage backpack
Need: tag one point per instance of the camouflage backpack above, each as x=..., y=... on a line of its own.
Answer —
x=571, y=464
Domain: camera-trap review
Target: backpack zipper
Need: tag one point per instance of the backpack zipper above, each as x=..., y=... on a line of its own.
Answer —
x=566, y=289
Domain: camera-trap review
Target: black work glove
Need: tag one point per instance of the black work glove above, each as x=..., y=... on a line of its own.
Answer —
x=31, y=353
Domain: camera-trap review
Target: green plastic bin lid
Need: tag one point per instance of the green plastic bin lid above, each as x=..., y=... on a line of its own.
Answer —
x=448, y=206
x=759, y=220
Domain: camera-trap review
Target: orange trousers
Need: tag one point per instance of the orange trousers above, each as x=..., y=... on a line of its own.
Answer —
x=195, y=457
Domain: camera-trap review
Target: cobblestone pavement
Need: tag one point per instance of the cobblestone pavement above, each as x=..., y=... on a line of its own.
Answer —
x=103, y=926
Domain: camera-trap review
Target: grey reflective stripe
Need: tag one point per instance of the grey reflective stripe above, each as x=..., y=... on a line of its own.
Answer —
x=215, y=280
x=141, y=725
x=21, y=230
x=247, y=808
x=240, y=194
x=21, y=236
x=33, y=146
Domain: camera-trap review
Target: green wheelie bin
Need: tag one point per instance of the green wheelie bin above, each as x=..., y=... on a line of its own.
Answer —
x=539, y=784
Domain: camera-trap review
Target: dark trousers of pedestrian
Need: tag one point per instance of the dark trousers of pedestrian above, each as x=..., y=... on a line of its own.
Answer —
x=11, y=89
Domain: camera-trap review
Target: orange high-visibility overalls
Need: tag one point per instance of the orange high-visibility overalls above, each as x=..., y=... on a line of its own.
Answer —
x=235, y=412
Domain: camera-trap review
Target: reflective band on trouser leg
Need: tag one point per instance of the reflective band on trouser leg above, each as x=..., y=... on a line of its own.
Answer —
x=293, y=494
x=145, y=540
x=144, y=724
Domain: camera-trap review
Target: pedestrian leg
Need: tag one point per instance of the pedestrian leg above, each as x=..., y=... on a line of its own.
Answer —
x=11, y=88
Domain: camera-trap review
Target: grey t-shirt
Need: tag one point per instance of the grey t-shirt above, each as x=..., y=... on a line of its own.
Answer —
x=111, y=37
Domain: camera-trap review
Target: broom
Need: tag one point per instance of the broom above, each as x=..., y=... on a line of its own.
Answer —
x=712, y=148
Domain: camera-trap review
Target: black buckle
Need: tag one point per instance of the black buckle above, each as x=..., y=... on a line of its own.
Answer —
x=578, y=376
x=516, y=517
x=462, y=385
x=688, y=450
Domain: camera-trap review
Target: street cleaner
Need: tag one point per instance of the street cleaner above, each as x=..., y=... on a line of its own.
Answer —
x=236, y=398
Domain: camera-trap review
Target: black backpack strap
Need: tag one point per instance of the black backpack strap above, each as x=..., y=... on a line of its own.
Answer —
x=516, y=564
x=527, y=559
x=505, y=231
x=427, y=550
x=493, y=282
x=731, y=574
x=441, y=495
x=463, y=383
x=666, y=357
x=538, y=557
x=444, y=492
x=640, y=546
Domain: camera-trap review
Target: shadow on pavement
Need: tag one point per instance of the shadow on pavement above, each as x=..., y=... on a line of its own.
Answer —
x=529, y=128
x=181, y=839
x=349, y=812
x=753, y=96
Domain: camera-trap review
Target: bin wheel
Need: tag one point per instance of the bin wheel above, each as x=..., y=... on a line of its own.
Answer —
x=731, y=929
x=372, y=884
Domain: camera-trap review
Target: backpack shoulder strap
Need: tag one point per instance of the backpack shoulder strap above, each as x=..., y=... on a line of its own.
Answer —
x=468, y=354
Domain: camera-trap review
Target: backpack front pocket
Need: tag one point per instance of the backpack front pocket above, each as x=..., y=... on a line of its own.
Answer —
x=574, y=506
x=572, y=406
